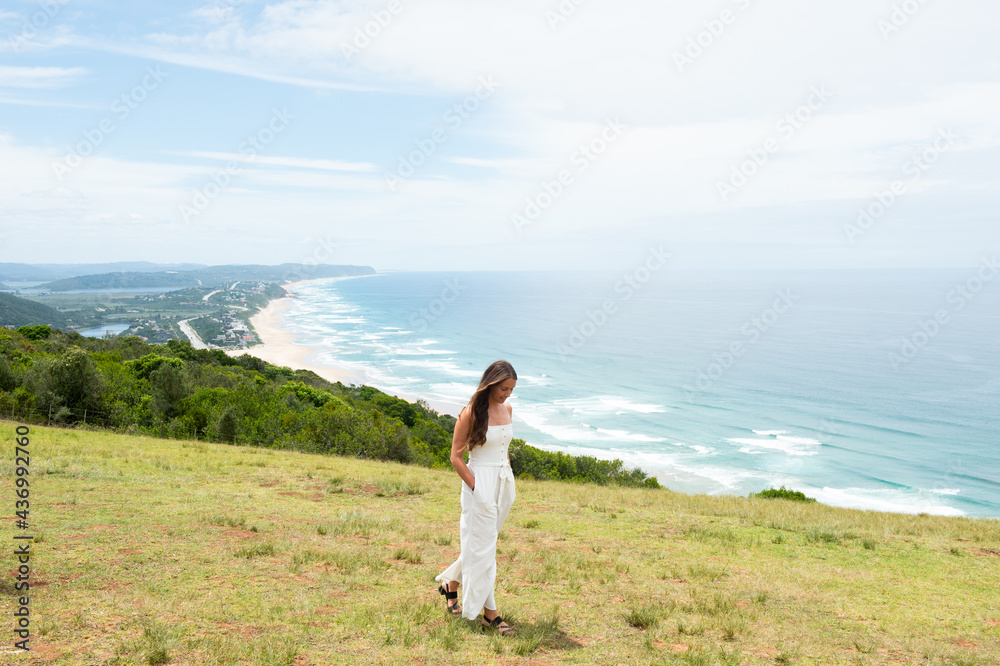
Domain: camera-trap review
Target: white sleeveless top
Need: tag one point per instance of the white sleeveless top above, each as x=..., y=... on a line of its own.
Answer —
x=494, y=450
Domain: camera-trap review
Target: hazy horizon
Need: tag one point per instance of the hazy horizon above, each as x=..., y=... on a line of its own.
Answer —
x=378, y=270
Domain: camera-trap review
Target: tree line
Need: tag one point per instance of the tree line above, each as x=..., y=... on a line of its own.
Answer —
x=128, y=385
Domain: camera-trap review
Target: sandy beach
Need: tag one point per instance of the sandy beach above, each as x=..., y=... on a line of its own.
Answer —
x=278, y=347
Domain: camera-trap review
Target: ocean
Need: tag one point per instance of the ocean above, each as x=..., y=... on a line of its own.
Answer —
x=862, y=388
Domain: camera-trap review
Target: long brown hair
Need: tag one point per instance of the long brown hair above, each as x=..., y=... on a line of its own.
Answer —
x=479, y=403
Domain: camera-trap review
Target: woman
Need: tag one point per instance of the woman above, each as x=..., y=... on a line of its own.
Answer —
x=484, y=430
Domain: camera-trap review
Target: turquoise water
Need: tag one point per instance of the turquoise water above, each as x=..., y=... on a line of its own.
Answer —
x=714, y=382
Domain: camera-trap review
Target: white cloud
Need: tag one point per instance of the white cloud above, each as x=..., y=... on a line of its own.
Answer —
x=40, y=77
x=557, y=86
x=324, y=165
x=46, y=102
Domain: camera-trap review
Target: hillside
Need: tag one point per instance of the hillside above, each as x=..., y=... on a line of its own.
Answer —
x=123, y=383
x=42, y=272
x=213, y=276
x=154, y=551
x=16, y=311
x=123, y=281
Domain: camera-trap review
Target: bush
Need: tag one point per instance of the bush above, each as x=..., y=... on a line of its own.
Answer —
x=783, y=493
x=70, y=379
x=527, y=461
x=226, y=427
x=35, y=332
x=8, y=380
x=306, y=393
x=150, y=363
x=168, y=390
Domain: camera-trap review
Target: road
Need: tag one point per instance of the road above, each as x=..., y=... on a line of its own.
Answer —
x=186, y=329
x=208, y=296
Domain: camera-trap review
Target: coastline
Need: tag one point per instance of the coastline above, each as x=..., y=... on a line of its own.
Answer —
x=709, y=471
x=278, y=346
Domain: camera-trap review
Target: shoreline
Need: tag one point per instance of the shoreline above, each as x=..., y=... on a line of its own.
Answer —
x=278, y=347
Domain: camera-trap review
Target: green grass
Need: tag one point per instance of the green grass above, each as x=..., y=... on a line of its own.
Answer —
x=643, y=617
x=257, y=550
x=171, y=552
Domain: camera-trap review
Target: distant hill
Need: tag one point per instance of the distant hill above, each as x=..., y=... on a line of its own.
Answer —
x=221, y=275
x=44, y=272
x=212, y=276
x=123, y=281
x=15, y=311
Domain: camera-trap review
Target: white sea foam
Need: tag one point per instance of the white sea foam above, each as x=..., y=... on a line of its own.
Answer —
x=449, y=367
x=697, y=448
x=544, y=380
x=626, y=436
x=897, y=500
x=340, y=319
x=539, y=417
x=720, y=479
x=767, y=433
x=453, y=391
x=673, y=471
x=607, y=403
x=421, y=351
x=794, y=446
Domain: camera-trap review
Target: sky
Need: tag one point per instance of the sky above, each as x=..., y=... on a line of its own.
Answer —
x=456, y=135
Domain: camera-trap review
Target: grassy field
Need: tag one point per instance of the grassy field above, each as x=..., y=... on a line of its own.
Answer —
x=169, y=552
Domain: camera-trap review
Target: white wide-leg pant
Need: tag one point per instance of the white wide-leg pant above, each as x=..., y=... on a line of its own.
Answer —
x=483, y=514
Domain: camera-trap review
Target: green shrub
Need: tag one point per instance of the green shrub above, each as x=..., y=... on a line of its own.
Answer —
x=145, y=366
x=35, y=332
x=527, y=461
x=126, y=384
x=783, y=493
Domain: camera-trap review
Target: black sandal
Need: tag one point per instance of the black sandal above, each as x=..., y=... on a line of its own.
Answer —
x=495, y=623
x=454, y=609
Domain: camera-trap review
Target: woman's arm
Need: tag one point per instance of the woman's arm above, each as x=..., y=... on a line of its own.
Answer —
x=459, y=444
